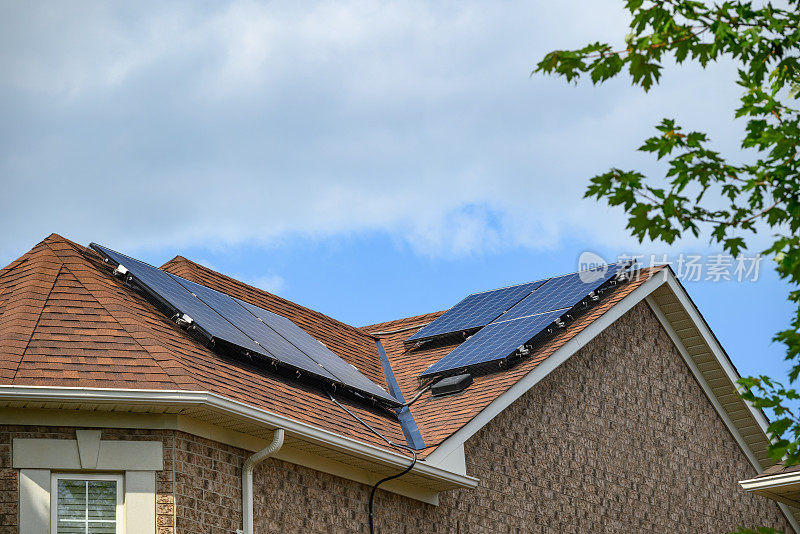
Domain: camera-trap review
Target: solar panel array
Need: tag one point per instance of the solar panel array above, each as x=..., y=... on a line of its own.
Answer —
x=477, y=310
x=494, y=342
x=244, y=325
x=561, y=292
x=517, y=325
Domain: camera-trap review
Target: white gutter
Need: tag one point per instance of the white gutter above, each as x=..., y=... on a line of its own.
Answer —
x=247, y=478
x=773, y=482
x=294, y=428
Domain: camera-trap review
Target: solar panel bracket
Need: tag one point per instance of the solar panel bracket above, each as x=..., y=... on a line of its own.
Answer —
x=183, y=320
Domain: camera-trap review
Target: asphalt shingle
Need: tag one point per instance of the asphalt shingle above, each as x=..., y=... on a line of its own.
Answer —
x=65, y=320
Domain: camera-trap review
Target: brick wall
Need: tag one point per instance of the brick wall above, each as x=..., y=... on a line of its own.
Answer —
x=620, y=438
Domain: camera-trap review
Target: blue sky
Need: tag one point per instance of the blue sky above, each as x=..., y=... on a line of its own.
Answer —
x=370, y=160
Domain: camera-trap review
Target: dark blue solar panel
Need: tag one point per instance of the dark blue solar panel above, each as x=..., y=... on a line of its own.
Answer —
x=561, y=292
x=163, y=285
x=322, y=355
x=266, y=338
x=246, y=326
x=493, y=342
x=477, y=310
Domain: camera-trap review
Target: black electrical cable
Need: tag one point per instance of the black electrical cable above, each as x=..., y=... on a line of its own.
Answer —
x=381, y=481
x=416, y=397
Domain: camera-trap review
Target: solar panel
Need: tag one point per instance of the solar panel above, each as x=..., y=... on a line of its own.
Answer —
x=561, y=292
x=265, y=337
x=246, y=326
x=529, y=317
x=169, y=291
x=493, y=343
x=315, y=350
x=477, y=310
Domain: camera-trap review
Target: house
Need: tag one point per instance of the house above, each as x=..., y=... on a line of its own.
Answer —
x=119, y=417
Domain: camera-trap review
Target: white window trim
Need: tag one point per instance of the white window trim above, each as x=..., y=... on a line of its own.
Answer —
x=55, y=477
x=135, y=462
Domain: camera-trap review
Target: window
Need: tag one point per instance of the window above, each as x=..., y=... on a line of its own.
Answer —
x=86, y=504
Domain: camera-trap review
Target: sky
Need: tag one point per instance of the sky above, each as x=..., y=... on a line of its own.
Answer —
x=371, y=160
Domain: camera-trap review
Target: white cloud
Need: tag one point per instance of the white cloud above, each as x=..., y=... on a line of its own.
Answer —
x=167, y=125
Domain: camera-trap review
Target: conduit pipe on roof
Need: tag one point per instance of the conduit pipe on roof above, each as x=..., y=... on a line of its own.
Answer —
x=404, y=329
x=247, y=478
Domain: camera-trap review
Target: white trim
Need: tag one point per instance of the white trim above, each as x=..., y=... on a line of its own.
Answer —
x=113, y=455
x=293, y=428
x=775, y=487
x=55, y=477
x=523, y=385
x=84, y=418
x=140, y=502
x=455, y=461
x=88, y=447
x=34, y=501
x=772, y=481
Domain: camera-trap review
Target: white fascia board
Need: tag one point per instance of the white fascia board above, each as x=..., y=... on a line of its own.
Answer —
x=292, y=427
x=458, y=438
x=770, y=487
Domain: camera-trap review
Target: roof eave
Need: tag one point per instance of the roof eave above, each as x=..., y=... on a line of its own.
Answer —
x=227, y=413
x=782, y=487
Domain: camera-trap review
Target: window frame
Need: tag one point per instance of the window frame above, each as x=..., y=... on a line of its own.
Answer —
x=118, y=478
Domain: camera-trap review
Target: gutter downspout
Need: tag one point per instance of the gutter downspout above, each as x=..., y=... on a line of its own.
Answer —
x=247, y=478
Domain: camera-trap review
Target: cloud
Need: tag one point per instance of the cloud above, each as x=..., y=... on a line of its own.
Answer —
x=194, y=124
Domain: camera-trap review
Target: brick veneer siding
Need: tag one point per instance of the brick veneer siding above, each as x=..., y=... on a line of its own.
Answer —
x=620, y=438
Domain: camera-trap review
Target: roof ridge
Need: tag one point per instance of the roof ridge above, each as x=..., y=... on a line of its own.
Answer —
x=132, y=334
x=121, y=325
x=33, y=251
x=176, y=261
x=38, y=319
x=395, y=322
x=16, y=329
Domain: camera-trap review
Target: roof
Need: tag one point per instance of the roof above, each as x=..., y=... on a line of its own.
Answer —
x=65, y=320
x=439, y=417
x=779, y=483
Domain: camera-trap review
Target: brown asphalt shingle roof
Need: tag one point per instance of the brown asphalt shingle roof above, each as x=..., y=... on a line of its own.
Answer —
x=65, y=320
